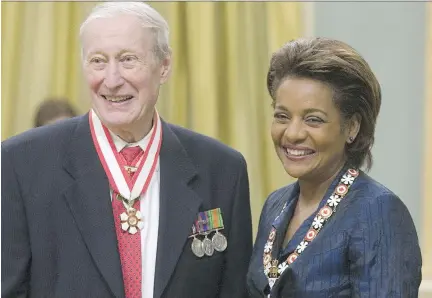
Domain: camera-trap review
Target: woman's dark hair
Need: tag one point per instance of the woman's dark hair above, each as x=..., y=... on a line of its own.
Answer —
x=51, y=109
x=356, y=90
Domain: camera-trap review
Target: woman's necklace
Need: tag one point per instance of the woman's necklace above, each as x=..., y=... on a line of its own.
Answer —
x=272, y=268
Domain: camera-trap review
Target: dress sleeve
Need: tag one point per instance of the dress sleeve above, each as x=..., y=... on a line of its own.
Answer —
x=384, y=252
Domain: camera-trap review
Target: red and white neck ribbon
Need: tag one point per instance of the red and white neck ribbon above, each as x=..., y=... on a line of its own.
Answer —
x=114, y=164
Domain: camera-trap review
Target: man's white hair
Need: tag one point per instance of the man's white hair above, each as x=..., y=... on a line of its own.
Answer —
x=147, y=15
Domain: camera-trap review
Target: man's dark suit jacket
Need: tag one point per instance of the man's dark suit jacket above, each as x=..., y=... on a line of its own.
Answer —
x=58, y=237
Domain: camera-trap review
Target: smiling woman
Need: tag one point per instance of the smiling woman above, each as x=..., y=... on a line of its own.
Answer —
x=307, y=129
x=336, y=231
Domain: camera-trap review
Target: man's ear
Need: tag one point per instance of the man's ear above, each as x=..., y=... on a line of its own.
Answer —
x=165, y=69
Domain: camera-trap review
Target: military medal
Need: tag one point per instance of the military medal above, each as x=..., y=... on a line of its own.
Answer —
x=219, y=241
x=208, y=222
x=197, y=247
x=208, y=246
x=272, y=269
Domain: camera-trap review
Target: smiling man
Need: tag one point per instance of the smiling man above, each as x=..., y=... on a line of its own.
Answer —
x=119, y=203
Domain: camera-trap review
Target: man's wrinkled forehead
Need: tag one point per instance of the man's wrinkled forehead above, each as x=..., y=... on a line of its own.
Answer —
x=121, y=22
x=121, y=30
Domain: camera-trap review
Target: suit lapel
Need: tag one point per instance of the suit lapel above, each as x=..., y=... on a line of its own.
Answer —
x=279, y=220
x=89, y=201
x=281, y=223
x=179, y=206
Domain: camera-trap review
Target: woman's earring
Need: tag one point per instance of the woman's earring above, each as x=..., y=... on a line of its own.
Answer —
x=350, y=139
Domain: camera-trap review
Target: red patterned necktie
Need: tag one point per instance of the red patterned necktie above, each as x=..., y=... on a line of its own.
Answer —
x=129, y=245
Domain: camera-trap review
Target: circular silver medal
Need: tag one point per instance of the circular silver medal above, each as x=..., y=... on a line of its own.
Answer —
x=208, y=246
x=197, y=247
x=219, y=242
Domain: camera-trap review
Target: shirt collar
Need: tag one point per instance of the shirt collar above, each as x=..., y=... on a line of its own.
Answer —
x=120, y=143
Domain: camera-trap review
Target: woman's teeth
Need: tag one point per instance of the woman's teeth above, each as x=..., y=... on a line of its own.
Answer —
x=297, y=152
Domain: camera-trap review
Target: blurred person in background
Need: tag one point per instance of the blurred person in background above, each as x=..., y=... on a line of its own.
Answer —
x=119, y=203
x=52, y=110
x=335, y=232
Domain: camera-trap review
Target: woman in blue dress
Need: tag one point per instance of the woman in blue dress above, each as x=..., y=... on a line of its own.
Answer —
x=335, y=232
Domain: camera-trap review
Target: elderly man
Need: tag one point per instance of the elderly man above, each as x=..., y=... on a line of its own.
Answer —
x=119, y=203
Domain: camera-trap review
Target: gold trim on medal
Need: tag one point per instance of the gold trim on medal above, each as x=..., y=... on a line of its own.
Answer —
x=131, y=221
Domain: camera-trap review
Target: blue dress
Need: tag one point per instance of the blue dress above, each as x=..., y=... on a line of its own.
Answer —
x=368, y=248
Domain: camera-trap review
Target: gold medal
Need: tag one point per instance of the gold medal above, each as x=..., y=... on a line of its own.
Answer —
x=273, y=269
x=131, y=221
